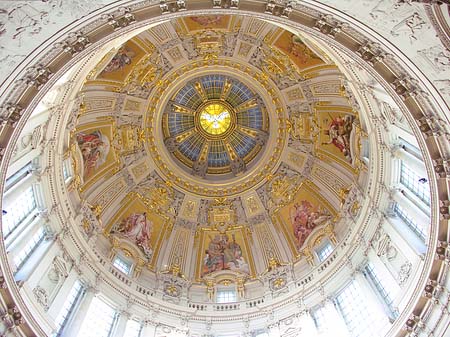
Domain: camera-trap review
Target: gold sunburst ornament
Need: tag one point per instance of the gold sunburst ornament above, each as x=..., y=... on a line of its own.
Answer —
x=215, y=119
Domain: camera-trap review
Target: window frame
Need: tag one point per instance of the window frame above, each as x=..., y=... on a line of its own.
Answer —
x=327, y=247
x=384, y=294
x=89, y=319
x=401, y=214
x=410, y=180
x=121, y=263
x=365, y=312
x=225, y=291
x=61, y=321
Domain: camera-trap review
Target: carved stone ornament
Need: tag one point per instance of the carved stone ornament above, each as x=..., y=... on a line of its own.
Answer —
x=279, y=8
x=403, y=274
x=172, y=6
x=174, y=283
x=384, y=246
x=41, y=296
x=172, y=289
x=276, y=276
x=121, y=21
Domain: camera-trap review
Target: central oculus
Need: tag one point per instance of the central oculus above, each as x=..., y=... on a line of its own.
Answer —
x=215, y=124
x=215, y=119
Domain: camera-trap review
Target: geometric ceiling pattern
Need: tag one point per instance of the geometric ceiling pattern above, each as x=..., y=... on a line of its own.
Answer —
x=215, y=123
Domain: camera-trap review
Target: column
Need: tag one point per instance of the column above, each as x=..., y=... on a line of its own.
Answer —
x=121, y=325
x=74, y=327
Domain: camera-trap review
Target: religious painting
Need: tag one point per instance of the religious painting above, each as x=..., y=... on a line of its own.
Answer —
x=95, y=148
x=137, y=224
x=122, y=58
x=337, y=135
x=138, y=228
x=207, y=22
x=122, y=63
x=304, y=217
x=338, y=132
x=304, y=214
x=293, y=46
x=223, y=251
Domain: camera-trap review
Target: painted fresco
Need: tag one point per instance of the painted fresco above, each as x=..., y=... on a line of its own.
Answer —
x=304, y=214
x=138, y=225
x=335, y=137
x=223, y=251
x=207, y=22
x=95, y=150
x=138, y=228
x=297, y=50
x=122, y=63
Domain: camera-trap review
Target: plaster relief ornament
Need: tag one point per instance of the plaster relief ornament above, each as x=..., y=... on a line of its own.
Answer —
x=41, y=296
x=411, y=25
x=138, y=229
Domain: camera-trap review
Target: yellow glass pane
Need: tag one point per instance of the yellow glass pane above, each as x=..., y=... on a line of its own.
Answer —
x=215, y=119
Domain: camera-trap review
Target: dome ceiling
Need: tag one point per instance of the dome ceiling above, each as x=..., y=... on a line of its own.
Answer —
x=206, y=141
x=161, y=193
x=215, y=124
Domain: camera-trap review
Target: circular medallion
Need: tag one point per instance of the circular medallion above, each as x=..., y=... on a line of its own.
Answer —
x=210, y=133
x=215, y=124
x=215, y=119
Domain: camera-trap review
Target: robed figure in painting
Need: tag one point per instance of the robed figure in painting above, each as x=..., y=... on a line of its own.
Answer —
x=122, y=58
x=137, y=228
x=94, y=148
x=304, y=218
x=339, y=132
x=223, y=254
